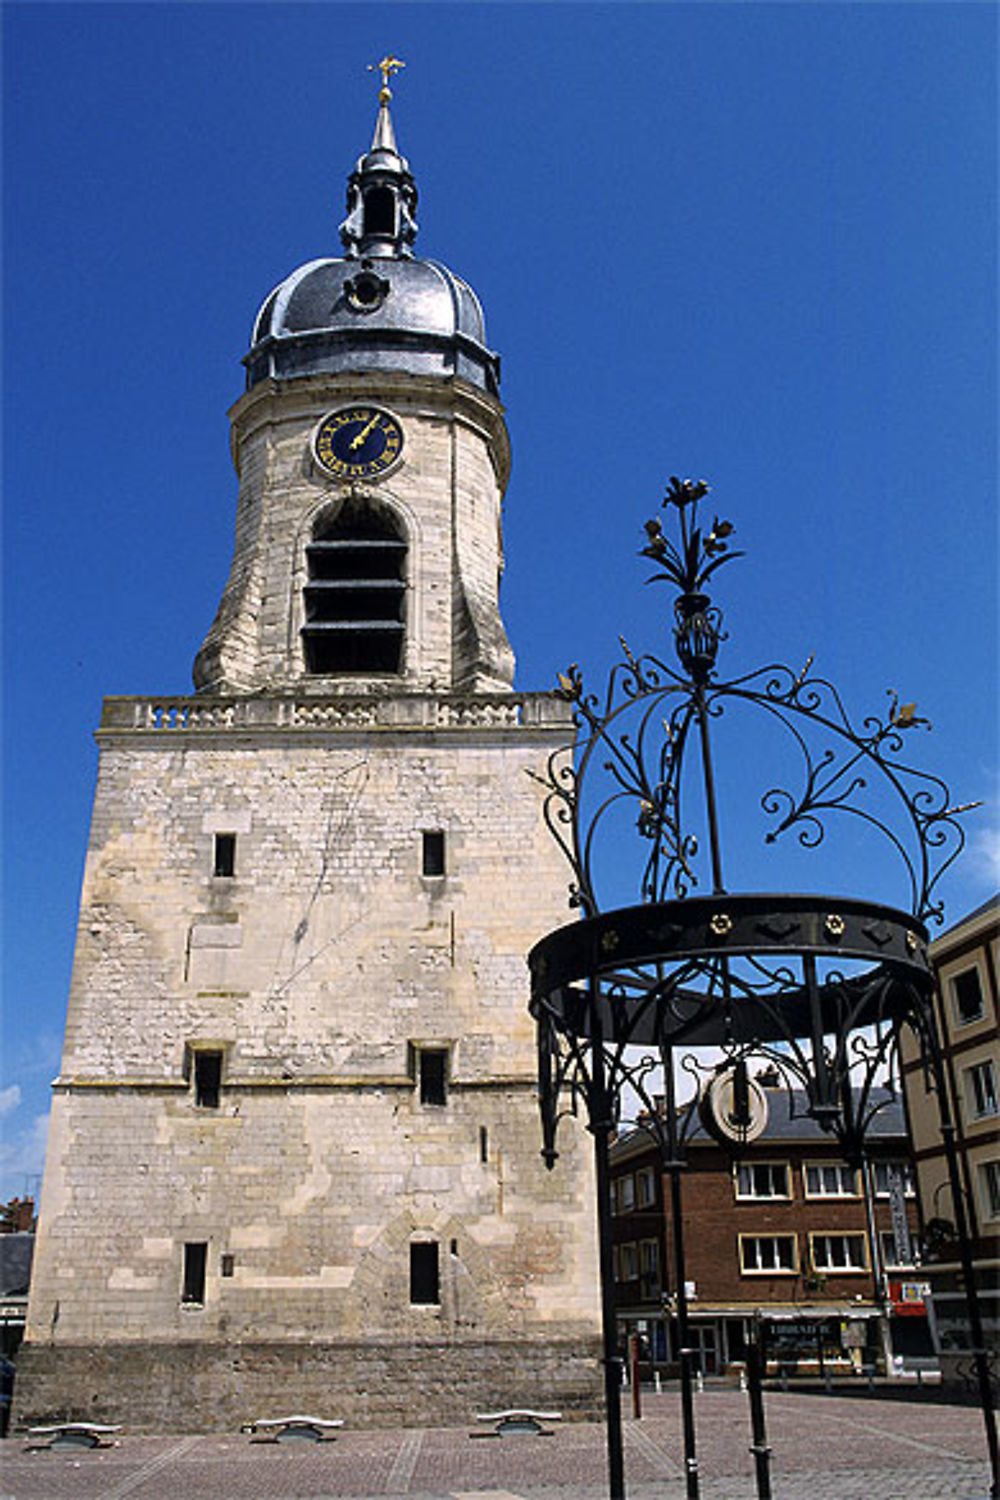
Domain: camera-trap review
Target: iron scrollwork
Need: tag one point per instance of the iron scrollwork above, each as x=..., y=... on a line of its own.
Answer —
x=705, y=988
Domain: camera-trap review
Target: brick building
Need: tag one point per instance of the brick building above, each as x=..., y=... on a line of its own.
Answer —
x=788, y=1230
x=294, y=1153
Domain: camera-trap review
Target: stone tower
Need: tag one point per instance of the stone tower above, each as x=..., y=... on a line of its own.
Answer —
x=294, y=1154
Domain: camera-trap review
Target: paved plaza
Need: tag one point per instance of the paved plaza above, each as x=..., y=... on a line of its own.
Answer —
x=837, y=1447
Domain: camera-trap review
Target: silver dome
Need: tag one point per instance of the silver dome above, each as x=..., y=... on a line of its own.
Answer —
x=372, y=314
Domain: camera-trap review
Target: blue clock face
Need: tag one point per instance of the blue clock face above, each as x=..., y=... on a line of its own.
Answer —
x=358, y=442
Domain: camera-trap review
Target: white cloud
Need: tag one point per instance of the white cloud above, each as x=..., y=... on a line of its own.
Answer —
x=983, y=852
x=9, y=1099
x=22, y=1157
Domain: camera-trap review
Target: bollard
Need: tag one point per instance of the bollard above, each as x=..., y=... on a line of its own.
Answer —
x=657, y=1383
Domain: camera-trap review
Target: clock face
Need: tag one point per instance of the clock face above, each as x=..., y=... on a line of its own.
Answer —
x=358, y=442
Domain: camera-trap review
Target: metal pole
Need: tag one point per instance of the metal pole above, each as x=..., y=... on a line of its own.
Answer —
x=674, y=1166
x=755, y=1390
x=711, y=806
x=601, y=1122
x=879, y=1278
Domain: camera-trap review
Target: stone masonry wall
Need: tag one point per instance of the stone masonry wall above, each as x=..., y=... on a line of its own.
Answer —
x=318, y=969
x=199, y=1388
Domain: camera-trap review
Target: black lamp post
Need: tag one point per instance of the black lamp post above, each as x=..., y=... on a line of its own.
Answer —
x=822, y=987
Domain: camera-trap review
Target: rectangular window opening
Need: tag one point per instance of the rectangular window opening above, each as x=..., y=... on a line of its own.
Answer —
x=967, y=993
x=764, y=1179
x=645, y=1187
x=195, y=1259
x=425, y=1278
x=628, y=1262
x=433, y=1066
x=484, y=1144
x=838, y=1252
x=433, y=851
x=625, y=1194
x=883, y=1172
x=228, y=1265
x=761, y=1253
x=890, y=1257
x=989, y=1178
x=833, y=1179
x=981, y=1091
x=207, y=1078
x=649, y=1268
x=225, y=854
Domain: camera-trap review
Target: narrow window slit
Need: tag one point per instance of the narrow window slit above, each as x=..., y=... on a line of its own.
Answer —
x=433, y=1067
x=425, y=1279
x=225, y=854
x=195, y=1258
x=207, y=1078
x=433, y=851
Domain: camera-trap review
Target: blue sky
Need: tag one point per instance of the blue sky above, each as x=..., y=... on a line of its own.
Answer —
x=750, y=242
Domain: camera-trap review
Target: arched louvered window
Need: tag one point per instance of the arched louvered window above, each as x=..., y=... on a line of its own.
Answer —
x=354, y=597
x=379, y=212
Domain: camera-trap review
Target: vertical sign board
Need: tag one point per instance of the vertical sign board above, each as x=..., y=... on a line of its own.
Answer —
x=897, y=1207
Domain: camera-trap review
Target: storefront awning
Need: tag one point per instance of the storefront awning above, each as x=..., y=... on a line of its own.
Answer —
x=784, y=1312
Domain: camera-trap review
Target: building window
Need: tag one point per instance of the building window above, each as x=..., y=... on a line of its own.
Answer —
x=625, y=1193
x=433, y=852
x=355, y=593
x=379, y=212
x=765, y=1254
x=645, y=1187
x=882, y=1172
x=887, y=1243
x=762, y=1179
x=989, y=1188
x=967, y=997
x=193, y=1285
x=207, y=1070
x=981, y=1091
x=830, y=1179
x=484, y=1144
x=228, y=1265
x=628, y=1263
x=432, y=1067
x=224, y=858
x=838, y=1252
x=649, y=1268
x=425, y=1277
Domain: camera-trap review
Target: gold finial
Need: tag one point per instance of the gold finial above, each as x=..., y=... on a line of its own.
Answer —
x=386, y=67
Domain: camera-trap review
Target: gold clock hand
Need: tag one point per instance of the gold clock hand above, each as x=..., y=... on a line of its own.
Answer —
x=357, y=441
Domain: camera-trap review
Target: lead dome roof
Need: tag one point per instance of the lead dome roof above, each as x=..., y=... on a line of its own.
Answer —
x=378, y=307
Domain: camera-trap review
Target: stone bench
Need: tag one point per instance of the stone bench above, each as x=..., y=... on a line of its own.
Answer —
x=73, y=1435
x=517, y=1421
x=293, y=1429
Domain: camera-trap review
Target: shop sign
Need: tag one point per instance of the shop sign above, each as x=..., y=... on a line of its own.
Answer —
x=909, y=1298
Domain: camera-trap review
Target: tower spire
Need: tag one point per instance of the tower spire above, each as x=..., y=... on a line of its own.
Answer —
x=381, y=193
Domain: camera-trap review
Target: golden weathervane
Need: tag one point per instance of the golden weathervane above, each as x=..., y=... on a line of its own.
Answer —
x=386, y=67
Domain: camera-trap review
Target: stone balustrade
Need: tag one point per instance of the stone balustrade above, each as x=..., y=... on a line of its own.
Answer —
x=404, y=711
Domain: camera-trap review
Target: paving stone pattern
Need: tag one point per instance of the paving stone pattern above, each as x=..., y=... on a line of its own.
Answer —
x=825, y=1448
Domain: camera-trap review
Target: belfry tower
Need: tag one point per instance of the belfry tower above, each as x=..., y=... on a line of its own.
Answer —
x=294, y=1153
